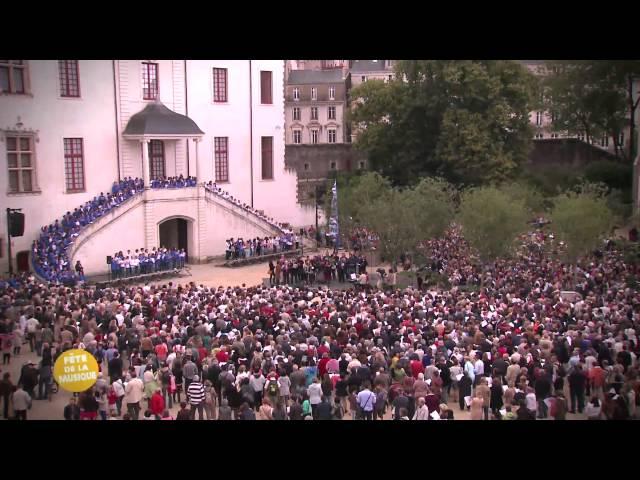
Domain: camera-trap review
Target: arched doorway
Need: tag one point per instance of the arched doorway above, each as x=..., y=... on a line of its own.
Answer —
x=176, y=233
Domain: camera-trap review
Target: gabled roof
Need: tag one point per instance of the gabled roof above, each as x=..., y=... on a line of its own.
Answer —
x=312, y=77
x=157, y=119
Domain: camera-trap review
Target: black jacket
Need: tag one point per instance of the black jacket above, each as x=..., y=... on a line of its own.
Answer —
x=72, y=412
x=324, y=411
x=577, y=381
x=543, y=387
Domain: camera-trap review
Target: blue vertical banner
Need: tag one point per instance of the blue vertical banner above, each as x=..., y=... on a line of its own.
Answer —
x=334, y=228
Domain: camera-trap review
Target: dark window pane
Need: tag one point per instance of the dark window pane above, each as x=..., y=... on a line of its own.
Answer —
x=12, y=160
x=11, y=144
x=13, y=181
x=18, y=80
x=25, y=144
x=4, y=79
x=25, y=160
x=26, y=181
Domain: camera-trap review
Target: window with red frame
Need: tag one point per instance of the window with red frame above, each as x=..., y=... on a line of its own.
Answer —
x=266, y=96
x=69, y=78
x=74, y=164
x=149, y=81
x=219, y=85
x=156, y=159
x=221, y=151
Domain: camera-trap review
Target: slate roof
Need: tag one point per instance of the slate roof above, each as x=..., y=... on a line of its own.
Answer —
x=313, y=77
x=368, y=66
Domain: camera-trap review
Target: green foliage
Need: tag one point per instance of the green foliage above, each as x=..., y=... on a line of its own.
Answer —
x=581, y=220
x=530, y=196
x=619, y=202
x=400, y=217
x=465, y=120
x=491, y=219
x=593, y=97
x=550, y=180
x=614, y=174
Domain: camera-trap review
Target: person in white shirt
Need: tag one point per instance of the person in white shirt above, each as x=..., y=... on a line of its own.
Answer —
x=134, y=392
x=422, y=412
x=32, y=325
x=478, y=369
x=593, y=409
x=530, y=401
x=315, y=396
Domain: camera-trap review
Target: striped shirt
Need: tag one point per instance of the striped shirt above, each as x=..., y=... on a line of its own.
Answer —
x=195, y=392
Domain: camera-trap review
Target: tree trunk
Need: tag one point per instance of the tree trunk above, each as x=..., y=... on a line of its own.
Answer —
x=632, y=120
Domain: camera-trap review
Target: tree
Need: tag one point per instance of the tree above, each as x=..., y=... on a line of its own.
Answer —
x=433, y=206
x=467, y=121
x=491, y=220
x=531, y=197
x=594, y=97
x=401, y=218
x=581, y=220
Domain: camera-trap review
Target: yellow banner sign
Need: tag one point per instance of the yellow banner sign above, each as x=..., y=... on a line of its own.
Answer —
x=76, y=370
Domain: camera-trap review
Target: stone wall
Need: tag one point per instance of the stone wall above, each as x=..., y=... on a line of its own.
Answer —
x=566, y=151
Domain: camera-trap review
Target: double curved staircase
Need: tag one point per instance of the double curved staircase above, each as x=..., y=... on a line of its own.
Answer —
x=180, y=202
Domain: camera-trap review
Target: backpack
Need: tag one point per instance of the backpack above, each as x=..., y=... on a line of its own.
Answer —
x=273, y=388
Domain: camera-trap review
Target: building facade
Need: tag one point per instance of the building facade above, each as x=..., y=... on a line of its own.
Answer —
x=365, y=70
x=315, y=105
x=70, y=128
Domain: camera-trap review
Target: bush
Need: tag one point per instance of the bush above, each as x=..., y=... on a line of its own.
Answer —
x=491, y=220
x=614, y=174
x=550, y=179
x=581, y=220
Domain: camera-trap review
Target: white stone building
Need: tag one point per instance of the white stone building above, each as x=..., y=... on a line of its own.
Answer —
x=70, y=128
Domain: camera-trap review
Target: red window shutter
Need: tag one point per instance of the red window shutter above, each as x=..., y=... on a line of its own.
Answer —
x=267, y=158
x=265, y=88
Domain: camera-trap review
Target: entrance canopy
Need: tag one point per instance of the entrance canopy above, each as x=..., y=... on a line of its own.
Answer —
x=158, y=121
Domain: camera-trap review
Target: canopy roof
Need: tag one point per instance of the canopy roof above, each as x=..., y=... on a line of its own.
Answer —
x=157, y=120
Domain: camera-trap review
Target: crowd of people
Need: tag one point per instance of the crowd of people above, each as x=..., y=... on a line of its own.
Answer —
x=517, y=346
x=143, y=261
x=361, y=238
x=174, y=182
x=213, y=188
x=256, y=247
x=320, y=268
x=50, y=251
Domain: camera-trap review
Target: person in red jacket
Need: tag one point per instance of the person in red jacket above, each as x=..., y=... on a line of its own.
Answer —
x=157, y=403
x=416, y=367
x=322, y=364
